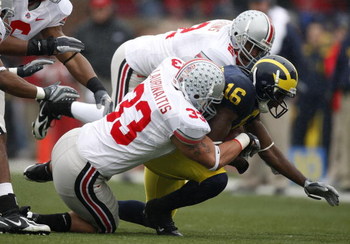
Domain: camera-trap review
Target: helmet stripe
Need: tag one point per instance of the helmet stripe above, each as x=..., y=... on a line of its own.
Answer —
x=285, y=85
x=271, y=32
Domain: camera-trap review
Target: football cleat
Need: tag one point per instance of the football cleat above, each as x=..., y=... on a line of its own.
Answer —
x=25, y=211
x=38, y=172
x=161, y=221
x=16, y=224
x=42, y=122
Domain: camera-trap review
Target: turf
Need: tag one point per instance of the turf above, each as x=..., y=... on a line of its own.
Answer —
x=224, y=219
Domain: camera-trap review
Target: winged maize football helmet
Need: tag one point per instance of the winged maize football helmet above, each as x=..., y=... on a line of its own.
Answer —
x=202, y=82
x=274, y=78
x=252, y=35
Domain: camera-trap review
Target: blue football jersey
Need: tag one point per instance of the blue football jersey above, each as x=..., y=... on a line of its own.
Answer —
x=239, y=95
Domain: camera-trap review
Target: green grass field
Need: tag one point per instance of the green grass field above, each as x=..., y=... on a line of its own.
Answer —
x=224, y=219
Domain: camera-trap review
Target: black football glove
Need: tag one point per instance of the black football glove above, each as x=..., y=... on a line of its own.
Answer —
x=32, y=67
x=53, y=46
x=241, y=164
x=252, y=148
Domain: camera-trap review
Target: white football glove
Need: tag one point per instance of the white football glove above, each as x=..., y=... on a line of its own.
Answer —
x=316, y=190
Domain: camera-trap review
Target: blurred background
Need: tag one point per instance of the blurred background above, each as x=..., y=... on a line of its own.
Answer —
x=312, y=34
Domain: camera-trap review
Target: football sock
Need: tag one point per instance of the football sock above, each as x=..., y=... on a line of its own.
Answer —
x=8, y=204
x=193, y=193
x=132, y=211
x=58, y=222
x=59, y=108
x=86, y=112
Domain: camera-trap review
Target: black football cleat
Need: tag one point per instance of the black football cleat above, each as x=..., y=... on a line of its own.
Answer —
x=38, y=172
x=16, y=224
x=161, y=221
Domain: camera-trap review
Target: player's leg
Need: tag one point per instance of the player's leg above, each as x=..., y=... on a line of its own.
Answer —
x=82, y=188
x=10, y=219
x=202, y=184
x=166, y=191
x=123, y=77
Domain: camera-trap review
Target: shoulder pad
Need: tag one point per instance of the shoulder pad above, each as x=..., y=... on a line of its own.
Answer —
x=239, y=93
x=65, y=6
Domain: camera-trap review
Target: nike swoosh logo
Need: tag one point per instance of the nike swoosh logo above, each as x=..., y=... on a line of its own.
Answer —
x=38, y=19
x=15, y=223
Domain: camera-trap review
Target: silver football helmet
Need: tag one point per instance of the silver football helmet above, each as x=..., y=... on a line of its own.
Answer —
x=252, y=35
x=7, y=12
x=202, y=82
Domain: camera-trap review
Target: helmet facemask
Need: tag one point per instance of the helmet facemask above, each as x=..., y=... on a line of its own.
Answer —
x=250, y=50
x=275, y=103
x=252, y=35
x=7, y=12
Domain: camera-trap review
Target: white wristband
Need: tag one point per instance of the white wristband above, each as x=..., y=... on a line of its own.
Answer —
x=2, y=68
x=267, y=148
x=40, y=93
x=13, y=70
x=217, y=159
x=243, y=139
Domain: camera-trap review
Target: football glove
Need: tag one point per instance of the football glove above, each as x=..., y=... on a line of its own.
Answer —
x=103, y=99
x=241, y=164
x=53, y=46
x=317, y=190
x=57, y=93
x=252, y=148
x=32, y=67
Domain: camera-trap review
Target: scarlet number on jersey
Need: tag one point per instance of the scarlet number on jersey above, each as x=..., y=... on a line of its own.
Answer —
x=185, y=30
x=176, y=63
x=234, y=94
x=134, y=126
x=194, y=114
x=20, y=25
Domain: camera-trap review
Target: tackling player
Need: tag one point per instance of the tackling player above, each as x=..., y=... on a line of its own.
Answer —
x=46, y=17
x=10, y=219
x=162, y=113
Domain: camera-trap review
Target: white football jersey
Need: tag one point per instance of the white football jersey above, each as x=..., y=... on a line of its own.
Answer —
x=208, y=40
x=27, y=24
x=142, y=124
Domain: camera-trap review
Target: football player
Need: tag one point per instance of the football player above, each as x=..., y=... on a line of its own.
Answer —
x=46, y=17
x=162, y=113
x=10, y=219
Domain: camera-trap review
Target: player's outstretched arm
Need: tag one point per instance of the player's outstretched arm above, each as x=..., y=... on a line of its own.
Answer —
x=80, y=68
x=37, y=47
x=270, y=153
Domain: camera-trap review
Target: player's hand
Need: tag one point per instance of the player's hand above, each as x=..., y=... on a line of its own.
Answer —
x=53, y=46
x=64, y=44
x=103, y=99
x=318, y=190
x=57, y=93
x=32, y=67
x=240, y=163
x=252, y=148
